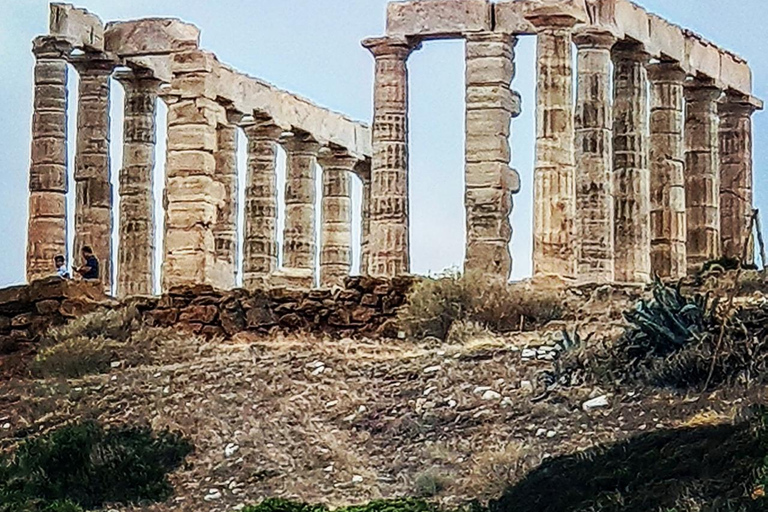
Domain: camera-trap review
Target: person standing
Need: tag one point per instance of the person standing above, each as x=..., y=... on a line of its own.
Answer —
x=61, y=267
x=90, y=269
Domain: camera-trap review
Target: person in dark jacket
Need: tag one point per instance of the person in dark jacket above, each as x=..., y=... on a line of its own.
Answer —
x=90, y=269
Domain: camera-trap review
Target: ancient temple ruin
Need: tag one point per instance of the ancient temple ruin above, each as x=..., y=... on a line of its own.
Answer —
x=645, y=168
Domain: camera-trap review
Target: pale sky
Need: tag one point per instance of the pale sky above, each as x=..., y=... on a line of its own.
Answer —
x=312, y=48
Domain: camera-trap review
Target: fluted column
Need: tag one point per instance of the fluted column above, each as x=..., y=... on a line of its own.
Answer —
x=225, y=229
x=631, y=186
x=388, y=247
x=702, y=178
x=93, y=194
x=299, y=246
x=135, y=258
x=260, y=237
x=47, y=228
x=489, y=180
x=193, y=194
x=594, y=157
x=554, y=234
x=736, y=178
x=667, y=164
x=364, y=173
x=336, y=220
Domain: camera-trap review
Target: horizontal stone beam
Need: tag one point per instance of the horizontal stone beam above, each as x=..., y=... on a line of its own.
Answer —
x=438, y=19
x=150, y=36
x=77, y=26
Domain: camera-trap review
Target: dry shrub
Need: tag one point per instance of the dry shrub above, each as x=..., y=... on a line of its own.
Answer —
x=75, y=358
x=436, y=304
x=496, y=469
x=114, y=324
x=430, y=483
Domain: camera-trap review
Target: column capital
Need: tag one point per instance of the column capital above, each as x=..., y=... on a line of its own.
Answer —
x=737, y=104
x=666, y=71
x=631, y=51
x=391, y=47
x=553, y=22
x=590, y=38
x=93, y=64
x=298, y=142
x=699, y=90
x=47, y=47
x=336, y=158
x=137, y=80
x=491, y=37
x=261, y=129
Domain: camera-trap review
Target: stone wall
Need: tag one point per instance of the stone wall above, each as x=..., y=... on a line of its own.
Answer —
x=364, y=306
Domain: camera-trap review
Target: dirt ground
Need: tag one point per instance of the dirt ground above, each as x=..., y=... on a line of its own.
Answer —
x=343, y=421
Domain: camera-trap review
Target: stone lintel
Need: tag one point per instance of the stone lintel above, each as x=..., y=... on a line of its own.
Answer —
x=150, y=36
x=78, y=26
x=438, y=19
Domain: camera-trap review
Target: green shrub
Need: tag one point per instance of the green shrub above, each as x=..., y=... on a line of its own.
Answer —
x=283, y=505
x=396, y=505
x=434, y=305
x=85, y=465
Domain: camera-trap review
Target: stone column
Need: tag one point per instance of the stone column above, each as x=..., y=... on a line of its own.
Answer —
x=489, y=181
x=388, y=247
x=299, y=246
x=93, y=194
x=667, y=164
x=554, y=234
x=193, y=194
x=225, y=229
x=260, y=237
x=631, y=185
x=736, y=176
x=336, y=231
x=47, y=228
x=594, y=157
x=702, y=179
x=364, y=172
x=135, y=258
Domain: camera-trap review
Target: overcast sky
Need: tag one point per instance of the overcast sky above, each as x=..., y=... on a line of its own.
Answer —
x=312, y=47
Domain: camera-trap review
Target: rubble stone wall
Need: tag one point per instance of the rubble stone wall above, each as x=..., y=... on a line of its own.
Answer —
x=363, y=306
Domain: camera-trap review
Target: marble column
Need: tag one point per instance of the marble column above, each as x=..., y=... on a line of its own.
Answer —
x=667, y=165
x=631, y=185
x=388, y=245
x=260, y=237
x=594, y=157
x=47, y=225
x=702, y=178
x=225, y=229
x=364, y=173
x=736, y=179
x=299, y=245
x=135, y=258
x=93, y=194
x=555, y=245
x=193, y=194
x=336, y=220
x=489, y=180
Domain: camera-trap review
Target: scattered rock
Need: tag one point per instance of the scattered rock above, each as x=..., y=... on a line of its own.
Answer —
x=595, y=403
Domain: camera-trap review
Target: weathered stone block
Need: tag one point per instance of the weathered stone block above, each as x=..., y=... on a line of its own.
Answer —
x=76, y=25
x=148, y=36
x=438, y=18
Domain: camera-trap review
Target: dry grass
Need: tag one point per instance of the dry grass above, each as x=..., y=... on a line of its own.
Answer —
x=436, y=305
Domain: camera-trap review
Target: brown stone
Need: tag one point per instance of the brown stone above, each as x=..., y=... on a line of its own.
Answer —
x=201, y=314
x=292, y=321
x=46, y=307
x=232, y=320
x=22, y=320
x=162, y=317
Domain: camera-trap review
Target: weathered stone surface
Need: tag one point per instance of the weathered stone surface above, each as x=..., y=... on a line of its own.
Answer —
x=555, y=246
x=46, y=231
x=438, y=18
x=93, y=194
x=151, y=35
x=388, y=247
x=225, y=228
x=135, y=258
x=702, y=174
x=631, y=186
x=76, y=25
x=489, y=180
x=336, y=231
x=736, y=177
x=594, y=157
x=667, y=162
x=299, y=245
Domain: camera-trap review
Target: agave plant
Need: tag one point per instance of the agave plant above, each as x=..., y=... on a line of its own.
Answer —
x=670, y=320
